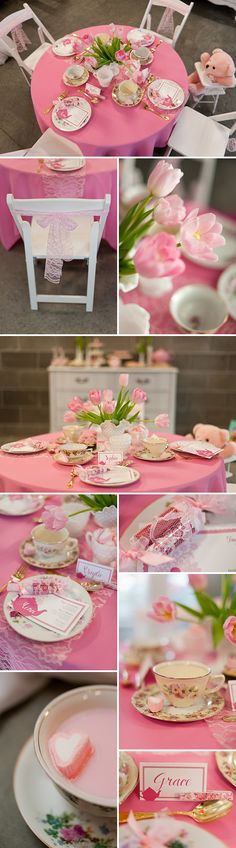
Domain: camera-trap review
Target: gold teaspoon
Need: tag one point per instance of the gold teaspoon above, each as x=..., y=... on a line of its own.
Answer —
x=203, y=813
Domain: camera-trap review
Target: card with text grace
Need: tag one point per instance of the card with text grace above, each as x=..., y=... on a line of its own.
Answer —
x=94, y=571
x=162, y=781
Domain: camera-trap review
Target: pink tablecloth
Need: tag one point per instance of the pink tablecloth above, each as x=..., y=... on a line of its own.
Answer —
x=224, y=828
x=112, y=130
x=42, y=474
x=20, y=177
x=130, y=507
x=161, y=320
x=94, y=649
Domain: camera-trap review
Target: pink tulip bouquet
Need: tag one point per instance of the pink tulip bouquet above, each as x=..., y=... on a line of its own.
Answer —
x=153, y=231
x=102, y=406
x=220, y=613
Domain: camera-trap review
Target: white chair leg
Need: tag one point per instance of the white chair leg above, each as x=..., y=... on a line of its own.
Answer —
x=25, y=75
x=92, y=266
x=30, y=270
x=215, y=103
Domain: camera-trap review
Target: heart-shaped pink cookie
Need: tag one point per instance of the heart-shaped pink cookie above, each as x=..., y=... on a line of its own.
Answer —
x=70, y=752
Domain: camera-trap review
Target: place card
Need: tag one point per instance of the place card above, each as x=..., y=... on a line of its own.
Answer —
x=110, y=458
x=92, y=89
x=162, y=781
x=232, y=692
x=55, y=612
x=94, y=571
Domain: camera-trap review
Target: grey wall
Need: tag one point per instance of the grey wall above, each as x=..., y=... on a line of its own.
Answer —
x=206, y=384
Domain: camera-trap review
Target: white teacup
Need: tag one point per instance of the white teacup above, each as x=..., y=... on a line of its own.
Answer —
x=155, y=445
x=72, y=432
x=102, y=544
x=184, y=683
x=125, y=94
x=50, y=545
x=73, y=449
x=142, y=53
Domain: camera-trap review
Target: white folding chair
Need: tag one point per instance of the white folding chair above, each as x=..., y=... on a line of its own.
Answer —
x=91, y=216
x=8, y=45
x=183, y=9
x=52, y=144
x=197, y=135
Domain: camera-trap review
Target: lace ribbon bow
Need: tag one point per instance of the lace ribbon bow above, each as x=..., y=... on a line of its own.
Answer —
x=20, y=38
x=59, y=244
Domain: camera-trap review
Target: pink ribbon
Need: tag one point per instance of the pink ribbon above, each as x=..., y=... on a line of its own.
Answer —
x=20, y=38
x=59, y=245
x=166, y=25
x=143, y=838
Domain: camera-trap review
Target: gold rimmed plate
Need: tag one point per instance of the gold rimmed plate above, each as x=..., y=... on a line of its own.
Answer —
x=206, y=708
x=226, y=763
x=75, y=80
x=71, y=555
x=127, y=762
x=165, y=456
x=63, y=459
x=147, y=61
x=129, y=103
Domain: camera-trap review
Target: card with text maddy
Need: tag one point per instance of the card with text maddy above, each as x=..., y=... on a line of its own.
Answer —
x=162, y=781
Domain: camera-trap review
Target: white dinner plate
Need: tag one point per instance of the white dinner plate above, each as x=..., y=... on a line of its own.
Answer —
x=32, y=630
x=23, y=447
x=196, y=835
x=23, y=505
x=71, y=114
x=142, y=37
x=132, y=775
x=226, y=254
x=165, y=94
x=227, y=288
x=120, y=475
x=46, y=812
x=66, y=46
x=65, y=164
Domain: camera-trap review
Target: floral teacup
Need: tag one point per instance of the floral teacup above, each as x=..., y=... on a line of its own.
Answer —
x=184, y=683
x=155, y=445
x=103, y=544
x=50, y=545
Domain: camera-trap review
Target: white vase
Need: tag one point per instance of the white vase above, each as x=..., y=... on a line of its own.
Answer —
x=155, y=286
x=76, y=524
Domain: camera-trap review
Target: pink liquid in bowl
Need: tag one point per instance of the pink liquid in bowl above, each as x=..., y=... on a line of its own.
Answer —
x=98, y=777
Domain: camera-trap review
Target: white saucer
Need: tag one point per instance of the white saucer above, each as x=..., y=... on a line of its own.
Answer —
x=224, y=286
x=72, y=552
x=194, y=835
x=15, y=509
x=146, y=454
x=63, y=459
x=70, y=164
x=132, y=775
x=32, y=630
x=46, y=812
x=24, y=447
x=119, y=475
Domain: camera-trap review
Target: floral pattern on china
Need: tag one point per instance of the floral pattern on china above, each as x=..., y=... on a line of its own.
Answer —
x=205, y=450
x=165, y=94
x=180, y=690
x=72, y=115
x=66, y=46
x=24, y=446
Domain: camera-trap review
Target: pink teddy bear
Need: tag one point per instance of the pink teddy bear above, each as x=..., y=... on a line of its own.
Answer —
x=219, y=68
x=218, y=437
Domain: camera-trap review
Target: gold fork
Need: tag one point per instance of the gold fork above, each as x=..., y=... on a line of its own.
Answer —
x=72, y=479
x=18, y=575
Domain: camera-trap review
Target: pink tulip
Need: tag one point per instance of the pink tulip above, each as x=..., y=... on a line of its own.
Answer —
x=95, y=396
x=75, y=404
x=123, y=380
x=198, y=582
x=120, y=55
x=163, y=179
x=162, y=420
x=163, y=610
x=170, y=211
x=138, y=396
x=200, y=234
x=158, y=256
x=230, y=629
x=54, y=517
x=107, y=395
x=109, y=407
x=69, y=417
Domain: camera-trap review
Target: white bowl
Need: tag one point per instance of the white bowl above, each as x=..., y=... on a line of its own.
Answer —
x=50, y=719
x=198, y=309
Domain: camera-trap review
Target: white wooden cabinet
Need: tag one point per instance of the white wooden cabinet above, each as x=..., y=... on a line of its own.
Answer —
x=65, y=382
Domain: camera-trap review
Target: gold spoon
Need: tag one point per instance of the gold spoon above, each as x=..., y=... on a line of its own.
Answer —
x=71, y=481
x=164, y=117
x=60, y=97
x=203, y=813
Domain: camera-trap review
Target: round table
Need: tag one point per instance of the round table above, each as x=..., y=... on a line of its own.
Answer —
x=158, y=307
x=90, y=650
x=21, y=178
x=224, y=828
x=41, y=473
x=112, y=130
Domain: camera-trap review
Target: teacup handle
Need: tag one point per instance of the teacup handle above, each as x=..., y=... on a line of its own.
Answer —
x=72, y=542
x=218, y=680
x=89, y=537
